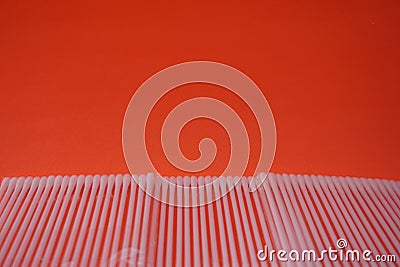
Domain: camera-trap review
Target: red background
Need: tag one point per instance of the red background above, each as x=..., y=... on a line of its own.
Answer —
x=330, y=71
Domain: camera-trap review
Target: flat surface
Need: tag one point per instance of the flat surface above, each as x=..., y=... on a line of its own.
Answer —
x=330, y=72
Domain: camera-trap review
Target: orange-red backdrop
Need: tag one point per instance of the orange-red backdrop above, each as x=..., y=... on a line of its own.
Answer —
x=330, y=71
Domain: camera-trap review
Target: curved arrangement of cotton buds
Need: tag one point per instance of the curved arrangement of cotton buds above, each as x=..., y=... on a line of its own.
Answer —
x=110, y=220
